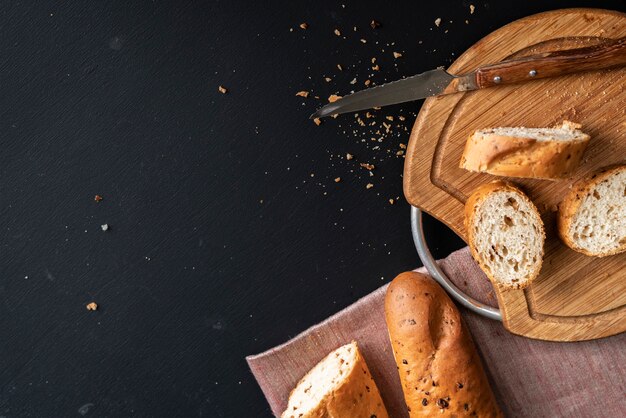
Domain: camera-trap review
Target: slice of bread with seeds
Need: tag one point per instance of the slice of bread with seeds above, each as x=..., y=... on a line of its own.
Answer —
x=505, y=234
x=340, y=385
x=592, y=216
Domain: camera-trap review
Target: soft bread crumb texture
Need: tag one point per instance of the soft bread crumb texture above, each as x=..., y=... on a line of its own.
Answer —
x=322, y=379
x=508, y=235
x=568, y=131
x=599, y=224
x=339, y=385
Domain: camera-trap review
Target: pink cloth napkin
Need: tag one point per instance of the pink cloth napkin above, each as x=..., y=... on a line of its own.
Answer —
x=530, y=378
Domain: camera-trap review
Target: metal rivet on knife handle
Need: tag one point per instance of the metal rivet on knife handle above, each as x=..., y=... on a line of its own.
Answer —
x=532, y=73
x=497, y=79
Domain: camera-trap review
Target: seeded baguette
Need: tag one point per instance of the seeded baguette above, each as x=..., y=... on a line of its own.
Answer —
x=592, y=216
x=340, y=385
x=544, y=153
x=440, y=370
x=505, y=234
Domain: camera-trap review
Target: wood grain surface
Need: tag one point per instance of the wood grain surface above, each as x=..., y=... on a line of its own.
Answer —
x=575, y=297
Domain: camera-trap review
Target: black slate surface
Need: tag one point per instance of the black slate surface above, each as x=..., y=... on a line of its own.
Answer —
x=221, y=244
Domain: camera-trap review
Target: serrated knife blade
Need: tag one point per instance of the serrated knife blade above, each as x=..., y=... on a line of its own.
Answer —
x=430, y=83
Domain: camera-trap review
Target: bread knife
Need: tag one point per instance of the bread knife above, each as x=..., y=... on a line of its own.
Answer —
x=609, y=53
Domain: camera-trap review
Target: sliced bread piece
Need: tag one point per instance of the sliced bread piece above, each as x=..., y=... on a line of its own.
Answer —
x=505, y=234
x=592, y=216
x=338, y=386
x=547, y=153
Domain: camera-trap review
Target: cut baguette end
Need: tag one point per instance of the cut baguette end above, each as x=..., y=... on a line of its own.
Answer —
x=592, y=216
x=505, y=234
x=339, y=385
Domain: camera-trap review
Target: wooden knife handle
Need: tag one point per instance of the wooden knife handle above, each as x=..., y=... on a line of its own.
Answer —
x=607, y=54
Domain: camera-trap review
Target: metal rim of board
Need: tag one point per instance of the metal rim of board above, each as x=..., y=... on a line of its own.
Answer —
x=437, y=273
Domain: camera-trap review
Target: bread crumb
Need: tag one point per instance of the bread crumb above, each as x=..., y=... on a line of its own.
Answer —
x=363, y=41
x=391, y=201
x=397, y=55
x=367, y=166
x=374, y=24
x=400, y=152
x=105, y=227
x=317, y=121
x=375, y=67
x=349, y=156
x=222, y=89
x=97, y=198
x=389, y=118
x=369, y=186
x=374, y=60
x=304, y=26
x=353, y=81
x=337, y=32
x=92, y=306
x=303, y=93
x=367, y=82
x=339, y=67
x=338, y=179
x=472, y=8
x=403, y=146
x=402, y=118
x=328, y=79
x=333, y=98
x=438, y=21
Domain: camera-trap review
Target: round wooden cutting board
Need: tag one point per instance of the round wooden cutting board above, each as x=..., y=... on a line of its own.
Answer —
x=575, y=297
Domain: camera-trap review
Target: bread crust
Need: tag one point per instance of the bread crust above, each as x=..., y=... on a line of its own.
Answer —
x=572, y=201
x=356, y=396
x=440, y=370
x=472, y=203
x=523, y=157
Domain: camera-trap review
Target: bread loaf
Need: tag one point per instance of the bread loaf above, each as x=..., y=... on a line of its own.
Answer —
x=548, y=153
x=592, y=216
x=440, y=370
x=339, y=386
x=505, y=234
